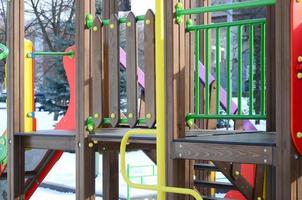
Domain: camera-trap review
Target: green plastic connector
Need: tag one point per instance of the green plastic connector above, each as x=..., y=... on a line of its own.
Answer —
x=179, y=18
x=90, y=125
x=189, y=23
x=89, y=21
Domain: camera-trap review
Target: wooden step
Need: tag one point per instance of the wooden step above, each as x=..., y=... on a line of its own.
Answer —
x=217, y=185
x=205, y=166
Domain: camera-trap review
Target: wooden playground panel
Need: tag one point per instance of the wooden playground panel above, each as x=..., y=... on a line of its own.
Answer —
x=258, y=164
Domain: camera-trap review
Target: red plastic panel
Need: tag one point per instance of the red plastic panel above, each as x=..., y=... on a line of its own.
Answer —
x=66, y=123
x=296, y=81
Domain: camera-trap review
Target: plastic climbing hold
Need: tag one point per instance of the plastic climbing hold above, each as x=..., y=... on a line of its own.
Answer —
x=90, y=124
x=89, y=21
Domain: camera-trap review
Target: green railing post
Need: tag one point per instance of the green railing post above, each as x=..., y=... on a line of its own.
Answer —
x=229, y=70
x=207, y=73
x=251, y=70
x=197, y=80
x=239, y=70
x=263, y=69
x=218, y=58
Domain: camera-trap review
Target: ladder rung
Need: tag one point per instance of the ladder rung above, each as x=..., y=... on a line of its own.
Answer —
x=218, y=185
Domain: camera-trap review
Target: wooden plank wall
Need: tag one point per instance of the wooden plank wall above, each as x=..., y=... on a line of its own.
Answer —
x=15, y=99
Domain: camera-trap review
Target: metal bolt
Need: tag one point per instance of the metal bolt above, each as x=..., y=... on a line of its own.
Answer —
x=113, y=116
x=237, y=173
x=90, y=145
x=296, y=157
x=180, y=155
x=265, y=161
x=104, y=148
x=180, y=146
x=129, y=24
x=95, y=142
x=148, y=21
x=10, y=141
x=259, y=198
x=97, y=115
x=95, y=28
x=130, y=115
x=112, y=26
x=79, y=144
x=299, y=75
x=149, y=116
x=300, y=57
x=299, y=135
x=265, y=150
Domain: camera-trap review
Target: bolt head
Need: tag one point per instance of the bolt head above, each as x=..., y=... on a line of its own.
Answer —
x=300, y=57
x=111, y=26
x=90, y=145
x=113, y=115
x=149, y=116
x=130, y=115
x=129, y=24
x=299, y=75
x=148, y=21
x=299, y=135
x=237, y=173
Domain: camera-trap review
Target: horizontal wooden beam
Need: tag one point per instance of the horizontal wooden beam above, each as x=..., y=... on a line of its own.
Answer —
x=223, y=152
x=55, y=142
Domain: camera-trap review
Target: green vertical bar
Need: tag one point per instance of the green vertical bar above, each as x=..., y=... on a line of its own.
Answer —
x=240, y=70
x=251, y=71
x=229, y=70
x=208, y=62
x=128, y=188
x=218, y=71
x=263, y=68
x=197, y=81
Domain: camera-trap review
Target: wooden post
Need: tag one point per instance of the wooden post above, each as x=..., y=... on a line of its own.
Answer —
x=85, y=157
x=110, y=158
x=15, y=99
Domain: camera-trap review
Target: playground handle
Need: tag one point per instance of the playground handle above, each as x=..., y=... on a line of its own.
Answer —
x=4, y=50
x=158, y=188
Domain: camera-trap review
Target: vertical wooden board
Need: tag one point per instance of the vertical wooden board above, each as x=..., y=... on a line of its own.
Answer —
x=110, y=175
x=131, y=70
x=149, y=48
x=114, y=71
x=212, y=123
x=96, y=68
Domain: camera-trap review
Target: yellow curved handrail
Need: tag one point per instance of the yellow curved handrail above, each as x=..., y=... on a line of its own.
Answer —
x=158, y=188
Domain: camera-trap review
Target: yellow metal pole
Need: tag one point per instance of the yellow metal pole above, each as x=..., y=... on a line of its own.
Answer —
x=160, y=96
x=28, y=87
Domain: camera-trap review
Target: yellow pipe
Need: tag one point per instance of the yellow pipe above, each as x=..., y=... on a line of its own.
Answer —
x=28, y=87
x=159, y=188
x=160, y=96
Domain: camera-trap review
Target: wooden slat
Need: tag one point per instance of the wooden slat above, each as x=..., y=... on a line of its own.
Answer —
x=96, y=65
x=149, y=48
x=114, y=71
x=131, y=83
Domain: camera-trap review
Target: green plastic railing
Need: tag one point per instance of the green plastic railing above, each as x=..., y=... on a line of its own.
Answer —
x=228, y=26
x=46, y=53
x=123, y=20
x=4, y=52
x=222, y=7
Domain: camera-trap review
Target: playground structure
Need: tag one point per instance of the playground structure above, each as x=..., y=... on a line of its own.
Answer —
x=172, y=118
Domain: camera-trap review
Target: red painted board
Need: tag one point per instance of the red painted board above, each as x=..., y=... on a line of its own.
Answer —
x=296, y=67
x=66, y=123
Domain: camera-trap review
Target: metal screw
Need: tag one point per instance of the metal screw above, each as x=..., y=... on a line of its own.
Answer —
x=237, y=173
x=95, y=142
x=180, y=146
x=149, y=116
x=112, y=26
x=90, y=145
x=130, y=115
x=148, y=21
x=129, y=24
x=265, y=150
x=265, y=161
x=180, y=155
x=79, y=144
x=113, y=116
x=299, y=75
x=300, y=57
x=299, y=135
x=259, y=198
x=96, y=115
x=95, y=28
x=296, y=157
x=10, y=141
x=104, y=148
